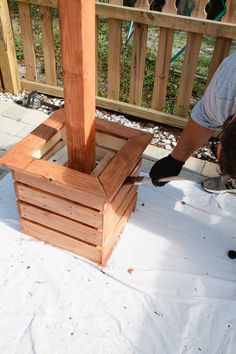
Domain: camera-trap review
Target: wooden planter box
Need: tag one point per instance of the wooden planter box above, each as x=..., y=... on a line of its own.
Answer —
x=78, y=212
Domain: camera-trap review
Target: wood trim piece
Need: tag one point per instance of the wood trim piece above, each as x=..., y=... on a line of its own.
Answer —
x=103, y=164
x=123, y=163
x=59, y=205
x=8, y=62
x=61, y=224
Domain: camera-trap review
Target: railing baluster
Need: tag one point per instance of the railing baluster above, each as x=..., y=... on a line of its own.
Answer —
x=114, y=54
x=27, y=41
x=194, y=41
x=138, y=57
x=48, y=45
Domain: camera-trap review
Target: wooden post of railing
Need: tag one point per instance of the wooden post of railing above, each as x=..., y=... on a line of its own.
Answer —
x=166, y=38
x=138, y=57
x=27, y=41
x=114, y=53
x=77, y=20
x=222, y=45
x=191, y=57
x=8, y=62
x=48, y=45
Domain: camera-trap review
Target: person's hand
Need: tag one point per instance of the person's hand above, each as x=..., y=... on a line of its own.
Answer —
x=166, y=167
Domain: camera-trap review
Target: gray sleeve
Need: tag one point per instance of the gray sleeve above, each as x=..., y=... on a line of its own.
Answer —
x=219, y=99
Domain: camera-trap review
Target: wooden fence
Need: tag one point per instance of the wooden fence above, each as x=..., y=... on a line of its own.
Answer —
x=166, y=22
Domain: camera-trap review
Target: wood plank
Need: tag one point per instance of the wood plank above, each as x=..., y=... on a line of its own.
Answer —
x=20, y=155
x=48, y=45
x=138, y=58
x=141, y=112
x=116, y=129
x=64, y=190
x=191, y=57
x=123, y=163
x=61, y=240
x=109, y=141
x=55, y=139
x=61, y=224
x=27, y=41
x=103, y=164
x=117, y=106
x=112, y=216
x=114, y=53
x=176, y=22
x=112, y=240
x=166, y=38
x=67, y=177
x=58, y=205
x=77, y=23
x=8, y=62
x=49, y=3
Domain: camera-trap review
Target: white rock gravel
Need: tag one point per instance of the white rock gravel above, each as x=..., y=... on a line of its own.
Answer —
x=164, y=136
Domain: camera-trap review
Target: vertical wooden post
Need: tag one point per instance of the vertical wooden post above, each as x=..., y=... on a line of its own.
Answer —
x=114, y=53
x=8, y=63
x=77, y=19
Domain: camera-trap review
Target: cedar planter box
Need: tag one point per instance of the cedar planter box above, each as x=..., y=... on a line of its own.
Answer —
x=79, y=212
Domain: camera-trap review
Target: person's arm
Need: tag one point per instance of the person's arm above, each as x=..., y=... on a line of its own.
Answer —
x=194, y=135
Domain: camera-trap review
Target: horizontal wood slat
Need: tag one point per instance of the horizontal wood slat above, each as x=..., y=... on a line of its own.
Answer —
x=60, y=206
x=61, y=224
x=61, y=240
x=63, y=190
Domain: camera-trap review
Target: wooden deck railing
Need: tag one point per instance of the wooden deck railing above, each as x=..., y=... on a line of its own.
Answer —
x=167, y=22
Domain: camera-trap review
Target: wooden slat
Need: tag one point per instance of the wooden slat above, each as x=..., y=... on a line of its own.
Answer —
x=48, y=45
x=8, y=63
x=176, y=22
x=27, y=41
x=64, y=189
x=138, y=58
x=59, y=205
x=61, y=240
x=222, y=45
x=112, y=218
x=112, y=239
x=117, y=106
x=192, y=50
x=166, y=38
x=116, y=129
x=114, y=53
x=103, y=164
x=123, y=163
x=78, y=57
x=49, y=3
x=61, y=224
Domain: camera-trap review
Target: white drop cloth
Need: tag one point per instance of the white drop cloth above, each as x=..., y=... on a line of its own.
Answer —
x=169, y=287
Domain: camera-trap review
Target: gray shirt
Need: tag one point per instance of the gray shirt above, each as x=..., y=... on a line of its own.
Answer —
x=219, y=99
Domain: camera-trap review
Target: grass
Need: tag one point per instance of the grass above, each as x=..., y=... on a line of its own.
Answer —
x=126, y=55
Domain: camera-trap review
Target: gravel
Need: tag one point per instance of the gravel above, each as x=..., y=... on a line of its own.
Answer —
x=165, y=137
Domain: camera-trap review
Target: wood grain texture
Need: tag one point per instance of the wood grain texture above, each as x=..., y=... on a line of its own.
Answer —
x=27, y=41
x=58, y=205
x=77, y=23
x=8, y=62
x=61, y=224
x=48, y=45
x=114, y=53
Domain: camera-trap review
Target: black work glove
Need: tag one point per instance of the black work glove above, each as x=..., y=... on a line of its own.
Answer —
x=166, y=167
